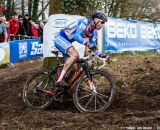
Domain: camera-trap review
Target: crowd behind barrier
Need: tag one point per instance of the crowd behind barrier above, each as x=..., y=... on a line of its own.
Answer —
x=20, y=38
x=20, y=28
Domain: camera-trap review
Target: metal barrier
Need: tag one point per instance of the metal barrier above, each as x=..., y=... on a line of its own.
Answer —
x=21, y=37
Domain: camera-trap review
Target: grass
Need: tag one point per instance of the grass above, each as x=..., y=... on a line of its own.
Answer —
x=135, y=53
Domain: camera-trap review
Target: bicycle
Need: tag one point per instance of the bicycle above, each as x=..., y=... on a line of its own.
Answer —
x=93, y=89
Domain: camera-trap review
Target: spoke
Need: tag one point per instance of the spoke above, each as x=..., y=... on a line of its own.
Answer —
x=39, y=84
x=45, y=85
x=85, y=96
x=38, y=101
x=102, y=99
x=103, y=95
x=44, y=99
x=89, y=101
x=95, y=102
x=33, y=98
x=86, y=90
x=98, y=102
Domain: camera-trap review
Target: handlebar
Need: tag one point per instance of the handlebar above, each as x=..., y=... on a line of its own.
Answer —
x=93, y=57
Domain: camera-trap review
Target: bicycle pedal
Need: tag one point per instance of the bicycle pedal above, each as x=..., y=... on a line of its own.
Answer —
x=58, y=98
x=58, y=95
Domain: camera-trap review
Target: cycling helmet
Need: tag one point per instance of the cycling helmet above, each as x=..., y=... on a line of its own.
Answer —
x=99, y=15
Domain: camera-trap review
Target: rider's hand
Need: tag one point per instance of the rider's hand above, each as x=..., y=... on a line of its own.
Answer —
x=92, y=47
x=100, y=55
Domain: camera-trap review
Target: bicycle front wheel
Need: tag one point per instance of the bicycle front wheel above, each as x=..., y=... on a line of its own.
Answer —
x=37, y=91
x=97, y=99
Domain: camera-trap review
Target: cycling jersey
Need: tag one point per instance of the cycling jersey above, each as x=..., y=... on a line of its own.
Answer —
x=76, y=31
x=80, y=30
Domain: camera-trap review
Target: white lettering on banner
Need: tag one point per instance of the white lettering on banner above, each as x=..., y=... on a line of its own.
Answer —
x=127, y=44
x=150, y=32
x=22, y=49
x=59, y=23
x=36, y=48
x=121, y=30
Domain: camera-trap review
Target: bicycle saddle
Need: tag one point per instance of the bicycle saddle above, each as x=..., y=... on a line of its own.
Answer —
x=56, y=52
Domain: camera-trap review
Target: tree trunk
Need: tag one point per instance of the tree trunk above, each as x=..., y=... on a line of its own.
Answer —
x=55, y=7
x=43, y=16
x=22, y=7
x=35, y=9
x=13, y=6
x=9, y=9
x=30, y=7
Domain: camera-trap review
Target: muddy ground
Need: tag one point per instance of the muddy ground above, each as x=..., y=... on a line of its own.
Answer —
x=137, y=104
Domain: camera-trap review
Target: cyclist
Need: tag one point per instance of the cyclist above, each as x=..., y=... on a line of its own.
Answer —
x=78, y=31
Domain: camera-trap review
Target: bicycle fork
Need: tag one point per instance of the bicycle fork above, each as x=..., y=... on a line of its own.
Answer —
x=89, y=76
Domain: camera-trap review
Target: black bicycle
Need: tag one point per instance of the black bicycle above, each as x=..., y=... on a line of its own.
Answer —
x=93, y=89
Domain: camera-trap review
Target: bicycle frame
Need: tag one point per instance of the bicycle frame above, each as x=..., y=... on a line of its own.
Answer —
x=84, y=68
x=77, y=75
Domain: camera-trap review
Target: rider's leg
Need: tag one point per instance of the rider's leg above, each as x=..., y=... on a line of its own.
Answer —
x=73, y=56
x=68, y=50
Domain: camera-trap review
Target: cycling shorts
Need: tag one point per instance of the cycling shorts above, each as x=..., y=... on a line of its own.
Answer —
x=62, y=42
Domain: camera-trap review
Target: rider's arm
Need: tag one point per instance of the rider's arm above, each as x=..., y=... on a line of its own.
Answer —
x=92, y=38
x=93, y=41
x=82, y=24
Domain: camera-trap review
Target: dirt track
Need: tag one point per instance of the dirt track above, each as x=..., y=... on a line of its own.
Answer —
x=137, y=104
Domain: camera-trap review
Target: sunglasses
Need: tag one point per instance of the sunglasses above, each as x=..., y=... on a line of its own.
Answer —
x=102, y=22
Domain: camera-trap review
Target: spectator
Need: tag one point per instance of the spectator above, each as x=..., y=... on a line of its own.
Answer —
x=3, y=31
x=8, y=29
x=21, y=30
x=27, y=25
x=14, y=25
x=34, y=30
x=40, y=30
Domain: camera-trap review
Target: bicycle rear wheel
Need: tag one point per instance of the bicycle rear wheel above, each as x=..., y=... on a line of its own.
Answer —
x=37, y=91
x=88, y=100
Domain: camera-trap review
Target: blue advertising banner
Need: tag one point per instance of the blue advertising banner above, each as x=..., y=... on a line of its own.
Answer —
x=25, y=49
x=125, y=35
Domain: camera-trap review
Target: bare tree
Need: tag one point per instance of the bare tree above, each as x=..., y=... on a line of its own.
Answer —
x=55, y=7
x=30, y=5
x=135, y=9
x=23, y=11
